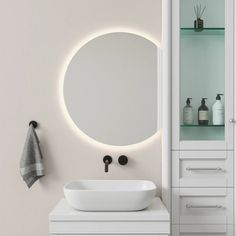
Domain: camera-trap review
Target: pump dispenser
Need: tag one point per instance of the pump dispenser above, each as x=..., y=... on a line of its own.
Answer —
x=218, y=112
x=188, y=113
x=203, y=113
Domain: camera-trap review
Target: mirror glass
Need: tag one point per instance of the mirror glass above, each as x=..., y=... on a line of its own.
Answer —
x=111, y=88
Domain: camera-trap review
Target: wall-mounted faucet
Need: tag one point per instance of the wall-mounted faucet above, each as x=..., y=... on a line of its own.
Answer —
x=107, y=160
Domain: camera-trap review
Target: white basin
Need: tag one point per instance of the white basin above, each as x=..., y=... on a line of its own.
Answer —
x=110, y=195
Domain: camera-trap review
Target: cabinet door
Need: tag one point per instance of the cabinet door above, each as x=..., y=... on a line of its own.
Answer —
x=202, y=169
x=203, y=206
x=202, y=67
x=202, y=230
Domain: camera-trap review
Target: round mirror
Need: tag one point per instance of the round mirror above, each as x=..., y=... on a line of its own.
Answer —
x=111, y=88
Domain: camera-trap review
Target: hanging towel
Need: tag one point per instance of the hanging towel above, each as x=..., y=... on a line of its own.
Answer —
x=31, y=166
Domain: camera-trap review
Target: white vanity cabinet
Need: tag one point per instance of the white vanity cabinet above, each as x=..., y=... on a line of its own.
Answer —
x=154, y=220
x=202, y=155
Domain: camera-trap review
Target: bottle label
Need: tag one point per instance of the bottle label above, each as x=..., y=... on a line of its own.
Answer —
x=203, y=115
x=188, y=116
x=218, y=117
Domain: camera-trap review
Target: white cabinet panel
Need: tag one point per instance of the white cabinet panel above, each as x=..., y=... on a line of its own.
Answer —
x=202, y=230
x=75, y=227
x=202, y=206
x=202, y=169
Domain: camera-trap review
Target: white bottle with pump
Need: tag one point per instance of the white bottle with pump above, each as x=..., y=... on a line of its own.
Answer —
x=188, y=113
x=218, y=112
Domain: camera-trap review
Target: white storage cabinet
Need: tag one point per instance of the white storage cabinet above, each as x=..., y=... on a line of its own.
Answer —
x=154, y=220
x=202, y=156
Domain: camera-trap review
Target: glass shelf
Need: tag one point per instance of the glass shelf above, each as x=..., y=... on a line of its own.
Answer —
x=201, y=126
x=205, y=31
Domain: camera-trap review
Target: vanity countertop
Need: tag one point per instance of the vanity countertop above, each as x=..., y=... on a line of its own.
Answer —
x=155, y=212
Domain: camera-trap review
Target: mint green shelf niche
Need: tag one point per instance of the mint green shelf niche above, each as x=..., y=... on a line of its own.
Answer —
x=202, y=65
x=200, y=132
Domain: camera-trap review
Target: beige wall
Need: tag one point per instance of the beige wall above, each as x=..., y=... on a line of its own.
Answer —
x=36, y=37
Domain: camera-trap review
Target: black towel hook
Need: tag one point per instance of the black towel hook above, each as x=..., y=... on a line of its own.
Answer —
x=34, y=123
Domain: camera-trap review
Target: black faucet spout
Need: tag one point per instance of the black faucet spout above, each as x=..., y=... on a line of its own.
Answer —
x=106, y=166
x=107, y=160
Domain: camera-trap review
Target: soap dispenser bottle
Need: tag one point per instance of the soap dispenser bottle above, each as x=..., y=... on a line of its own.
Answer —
x=218, y=113
x=203, y=113
x=188, y=113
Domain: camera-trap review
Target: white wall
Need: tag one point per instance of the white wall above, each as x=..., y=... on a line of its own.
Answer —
x=36, y=37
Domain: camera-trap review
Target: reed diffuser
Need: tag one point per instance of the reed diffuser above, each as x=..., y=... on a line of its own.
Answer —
x=199, y=23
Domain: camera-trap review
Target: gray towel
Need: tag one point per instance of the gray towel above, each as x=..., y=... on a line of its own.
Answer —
x=31, y=166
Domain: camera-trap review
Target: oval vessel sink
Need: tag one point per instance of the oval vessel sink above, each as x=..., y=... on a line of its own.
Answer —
x=110, y=195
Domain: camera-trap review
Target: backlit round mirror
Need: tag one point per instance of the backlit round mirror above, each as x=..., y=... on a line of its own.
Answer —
x=111, y=88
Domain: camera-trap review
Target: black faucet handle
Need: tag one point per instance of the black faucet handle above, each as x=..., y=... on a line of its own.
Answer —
x=107, y=160
x=123, y=160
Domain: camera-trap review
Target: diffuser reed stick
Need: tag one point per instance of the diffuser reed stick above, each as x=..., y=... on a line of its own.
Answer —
x=198, y=23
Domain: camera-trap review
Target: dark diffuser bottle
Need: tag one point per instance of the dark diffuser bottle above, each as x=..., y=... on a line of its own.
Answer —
x=198, y=23
x=203, y=113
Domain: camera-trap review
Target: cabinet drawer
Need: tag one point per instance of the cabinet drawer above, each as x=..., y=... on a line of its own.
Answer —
x=202, y=206
x=202, y=230
x=112, y=227
x=202, y=169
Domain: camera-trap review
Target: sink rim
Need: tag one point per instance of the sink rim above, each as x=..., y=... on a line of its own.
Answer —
x=148, y=186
